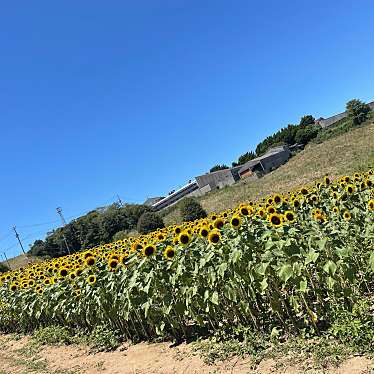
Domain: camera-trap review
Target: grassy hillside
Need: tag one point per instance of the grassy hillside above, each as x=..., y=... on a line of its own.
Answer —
x=22, y=261
x=343, y=154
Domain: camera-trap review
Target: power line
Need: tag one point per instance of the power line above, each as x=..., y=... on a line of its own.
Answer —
x=38, y=224
x=59, y=212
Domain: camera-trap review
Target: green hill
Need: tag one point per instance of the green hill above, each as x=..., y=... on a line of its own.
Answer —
x=341, y=154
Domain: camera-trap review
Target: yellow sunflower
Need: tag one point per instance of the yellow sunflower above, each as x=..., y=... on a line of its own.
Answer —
x=275, y=219
x=235, y=222
x=214, y=237
x=169, y=253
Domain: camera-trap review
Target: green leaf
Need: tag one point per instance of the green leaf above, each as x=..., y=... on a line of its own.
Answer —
x=330, y=267
x=264, y=284
x=371, y=261
x=311, y=256
x=285, y=273
x=303, y=285
x=214, y=299
x=222, y=268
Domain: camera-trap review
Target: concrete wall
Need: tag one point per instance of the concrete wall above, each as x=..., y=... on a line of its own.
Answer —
x=275, y=160
x=220, y=178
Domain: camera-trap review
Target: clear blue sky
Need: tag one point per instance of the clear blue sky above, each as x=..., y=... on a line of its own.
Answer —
x=137, y=97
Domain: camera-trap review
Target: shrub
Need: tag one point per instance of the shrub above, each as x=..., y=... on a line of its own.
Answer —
x=53, y=335
x=120, y=235
x=4, y=268
x=103, y=339
x=148, y=222
x=307, y=120
x=305, y=135
x=357, y=111
x=191, y=209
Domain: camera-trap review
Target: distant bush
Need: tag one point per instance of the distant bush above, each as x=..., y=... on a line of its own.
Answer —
x=218, y=167
x=149, y=221
x=3, y=268
x=191, y=209
x=95, y=228
x=307, y=120
x=306, y=134
x=357, y=111
x=120, y=235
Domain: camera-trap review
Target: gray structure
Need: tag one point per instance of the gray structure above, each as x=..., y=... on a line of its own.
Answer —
x=152, y=200
x=218, y=179
x=175, y=196
x=200, y=186
x=327, y=122
x=271, y=160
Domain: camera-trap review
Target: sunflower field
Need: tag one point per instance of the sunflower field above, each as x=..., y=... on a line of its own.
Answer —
x=283, y=262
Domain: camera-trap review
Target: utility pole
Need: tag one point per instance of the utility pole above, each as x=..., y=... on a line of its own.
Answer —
x=6, y=259
x=19, y=240
x=120, y=201
x=59, y=211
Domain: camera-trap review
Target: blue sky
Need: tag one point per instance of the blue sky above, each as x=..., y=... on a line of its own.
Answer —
x=137, y=97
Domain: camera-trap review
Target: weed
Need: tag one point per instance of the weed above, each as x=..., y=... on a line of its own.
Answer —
x=103, y=339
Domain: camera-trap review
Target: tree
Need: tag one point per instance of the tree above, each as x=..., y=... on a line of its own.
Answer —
x=307, y=120
x=3, y=268
x=357, y=111
x=191, y=209
x=305, y=135
x=218, y=167
x=95, y=228
x=148, y=222
x=120, y=235
x=244, y=158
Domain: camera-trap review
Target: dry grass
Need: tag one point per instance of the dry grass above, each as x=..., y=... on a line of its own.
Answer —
x=344, y=154
x=22, y=260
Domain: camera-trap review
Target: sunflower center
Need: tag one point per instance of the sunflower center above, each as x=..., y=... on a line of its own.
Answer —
x=275, y=220
x=235, y=222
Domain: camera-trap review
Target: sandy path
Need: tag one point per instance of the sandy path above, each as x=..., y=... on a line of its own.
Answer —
x=143, y=358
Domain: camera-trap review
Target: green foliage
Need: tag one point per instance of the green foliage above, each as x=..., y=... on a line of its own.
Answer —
x=95, y=228
x=3, y=268
x=191, y=209
x=339, y=128
x=218, y=167
x=53, y=335
x=244, y=158
x=120, y=235
x=285, y=135
x=307, y=120
x=149, y=221
x=355, y=327
x=306, y=134
x=357, y=111
x=103, y=339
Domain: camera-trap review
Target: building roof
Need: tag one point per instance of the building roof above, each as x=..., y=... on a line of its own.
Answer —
x=257, y=161
x=151, y=200
x=166, y=198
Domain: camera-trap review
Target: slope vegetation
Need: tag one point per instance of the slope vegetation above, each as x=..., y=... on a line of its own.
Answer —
x=344, y=154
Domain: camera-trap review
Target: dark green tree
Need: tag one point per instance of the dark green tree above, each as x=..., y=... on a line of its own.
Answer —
x=3, y=268
x=244, y=158
x=357, y=111
x=307, y=120
x=218, y=167
x=305, y=135
x=95, y=228
x=191, y=209
x=120, y=235
x=148, y=222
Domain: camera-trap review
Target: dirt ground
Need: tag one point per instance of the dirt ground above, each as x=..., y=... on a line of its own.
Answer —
x=19, y=357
